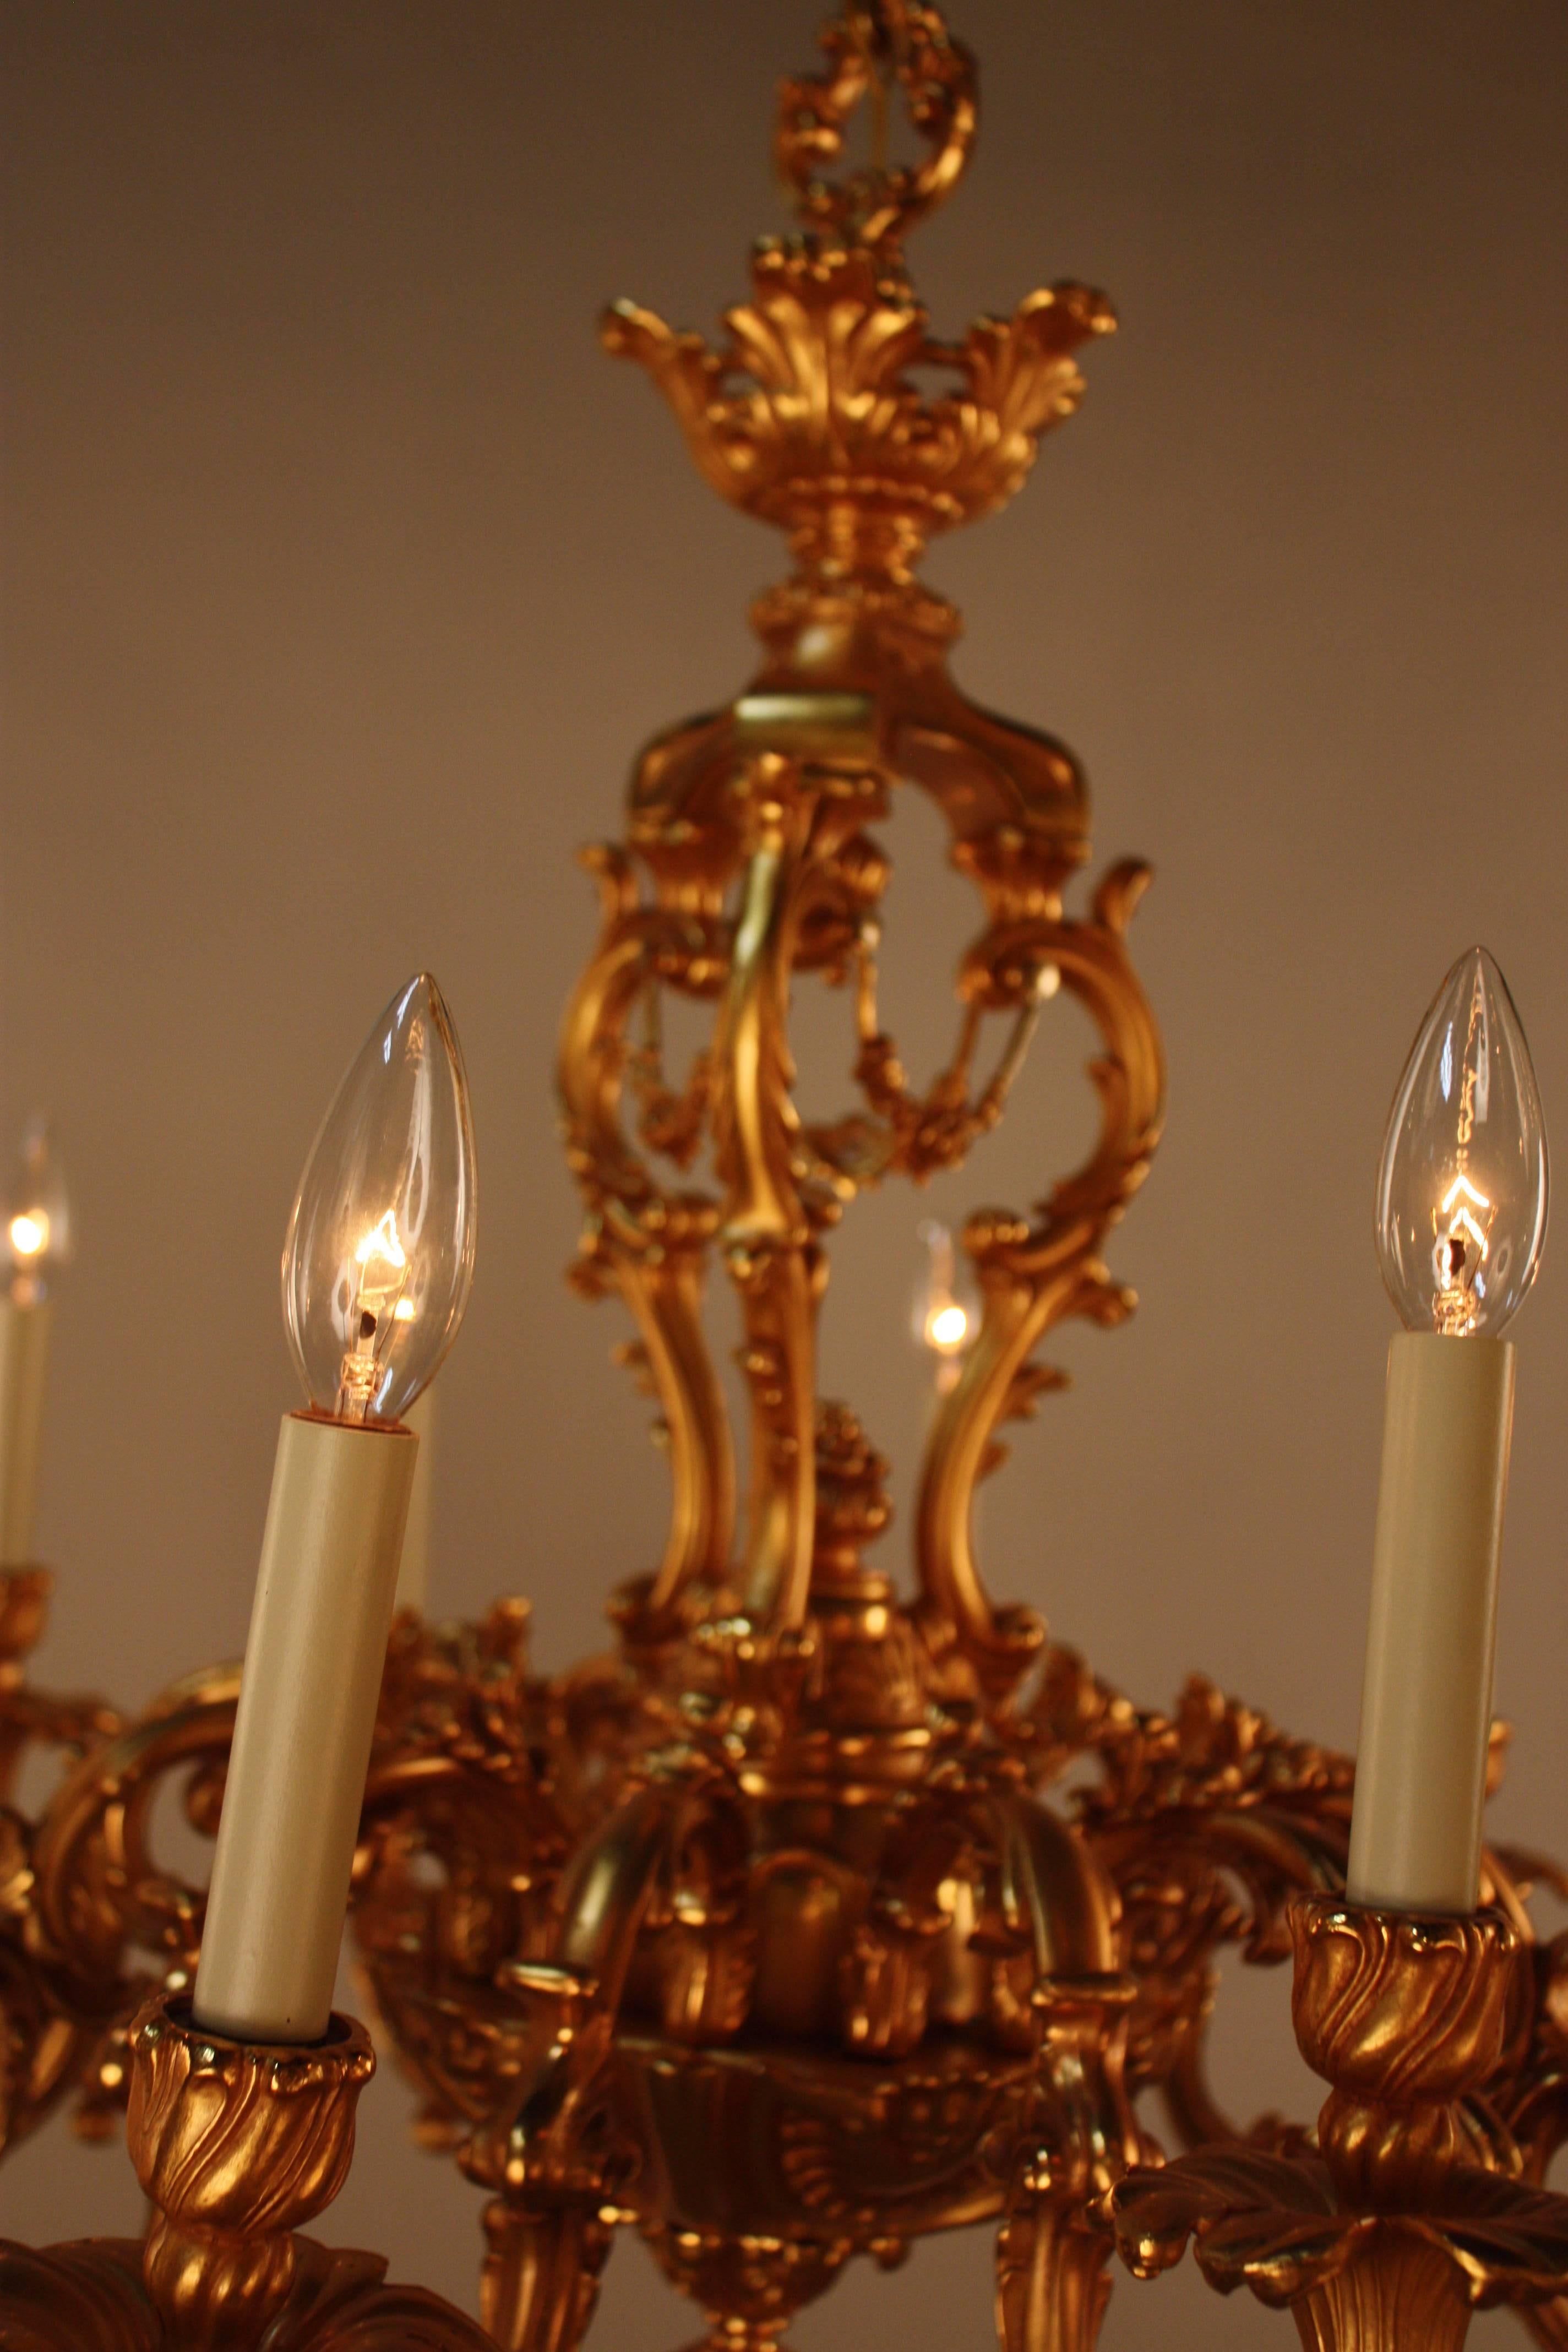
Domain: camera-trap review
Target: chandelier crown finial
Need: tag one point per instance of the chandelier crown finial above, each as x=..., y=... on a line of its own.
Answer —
x=808, y=415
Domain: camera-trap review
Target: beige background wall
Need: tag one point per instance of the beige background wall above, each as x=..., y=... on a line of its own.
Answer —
x=342, y=576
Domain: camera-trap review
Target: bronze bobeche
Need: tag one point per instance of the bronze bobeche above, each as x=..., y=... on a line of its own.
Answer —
x=1414, y=2206
x=763, y=1933
x=235, y=2146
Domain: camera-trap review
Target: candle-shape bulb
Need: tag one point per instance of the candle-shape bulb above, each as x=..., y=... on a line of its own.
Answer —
x=380, y=1254
x=944, y=1317
x=37, y=1220
x=1461, y=1193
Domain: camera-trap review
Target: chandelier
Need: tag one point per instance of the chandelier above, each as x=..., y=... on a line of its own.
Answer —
x=818, y=1915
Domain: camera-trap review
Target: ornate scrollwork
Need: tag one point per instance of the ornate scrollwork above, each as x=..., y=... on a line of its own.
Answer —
x=1051, y=2282
x=31, y=1718
x=641, y=1239
x=768, y=1931
x=235, y=2145
x=1412, y=2213
x=1031, y=1276
x=808, y=416
x=47, y=2042
x=1209, y=1823
x=936, y=76
x=753, y=826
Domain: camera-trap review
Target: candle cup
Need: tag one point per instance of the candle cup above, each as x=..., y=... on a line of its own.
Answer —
x=1415, y=1833
x=302, y=1734
x=1411, y=2215
x=1405, y=2017
x=236, y=2144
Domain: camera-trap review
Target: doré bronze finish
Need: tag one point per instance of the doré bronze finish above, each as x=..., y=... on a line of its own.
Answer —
x=50, y=2027
x=235, y=2146
x=1413, y=2208
x=773, y=1932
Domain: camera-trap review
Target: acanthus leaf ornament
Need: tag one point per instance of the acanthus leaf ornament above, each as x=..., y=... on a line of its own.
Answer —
x=235, y=2146
x=1410, y=2212
x=807, y=417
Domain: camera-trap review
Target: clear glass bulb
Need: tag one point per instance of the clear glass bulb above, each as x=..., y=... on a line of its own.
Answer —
x=380, y=1254
x=944, y=1316
x=1461, y=1193
x=38, y=1222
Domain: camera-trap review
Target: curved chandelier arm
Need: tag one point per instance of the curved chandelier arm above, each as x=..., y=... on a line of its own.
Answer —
x=99, y=1886
x=1055, y=1889
x=666, y=1301
x=1033, y=1276
x=31, y=1718
x=650, y=1245
x=607, y=1890
x=766, y=1234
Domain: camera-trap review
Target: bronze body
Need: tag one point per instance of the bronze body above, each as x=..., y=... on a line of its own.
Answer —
x=763, y=1933
x=1416, y=2207
x=234, y=2145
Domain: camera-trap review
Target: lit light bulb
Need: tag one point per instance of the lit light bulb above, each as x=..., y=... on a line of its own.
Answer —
x=947, y=1328
x=380, y=1254
x=38, y=1225
x=1461, y=1193
x=944, y=1317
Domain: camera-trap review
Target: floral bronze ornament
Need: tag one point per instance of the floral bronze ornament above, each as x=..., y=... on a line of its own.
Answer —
x=1411, y=2211
x=49, y=2037
x=235, y=2146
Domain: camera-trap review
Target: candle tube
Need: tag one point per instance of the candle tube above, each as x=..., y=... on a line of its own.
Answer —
x=37, y=1233
x=413, y=1575
x=303, y=1735
x=1426, y=1701
x=24, y=1354
x=376, y=1274
x=1462, y=1197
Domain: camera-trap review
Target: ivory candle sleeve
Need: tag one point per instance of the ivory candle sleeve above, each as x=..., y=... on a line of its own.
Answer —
x=301, y=1742
x=414, y=1574
x=24, y=1353
x=1426, y=1702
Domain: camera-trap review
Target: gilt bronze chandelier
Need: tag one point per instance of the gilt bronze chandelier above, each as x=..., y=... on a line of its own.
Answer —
x=775, y=1933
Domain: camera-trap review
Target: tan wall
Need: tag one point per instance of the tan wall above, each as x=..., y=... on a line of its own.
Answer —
x=342, y=576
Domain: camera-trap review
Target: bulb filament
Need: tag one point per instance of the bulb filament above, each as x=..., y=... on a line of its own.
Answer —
x=1462, y=1221
x=377, y=1303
